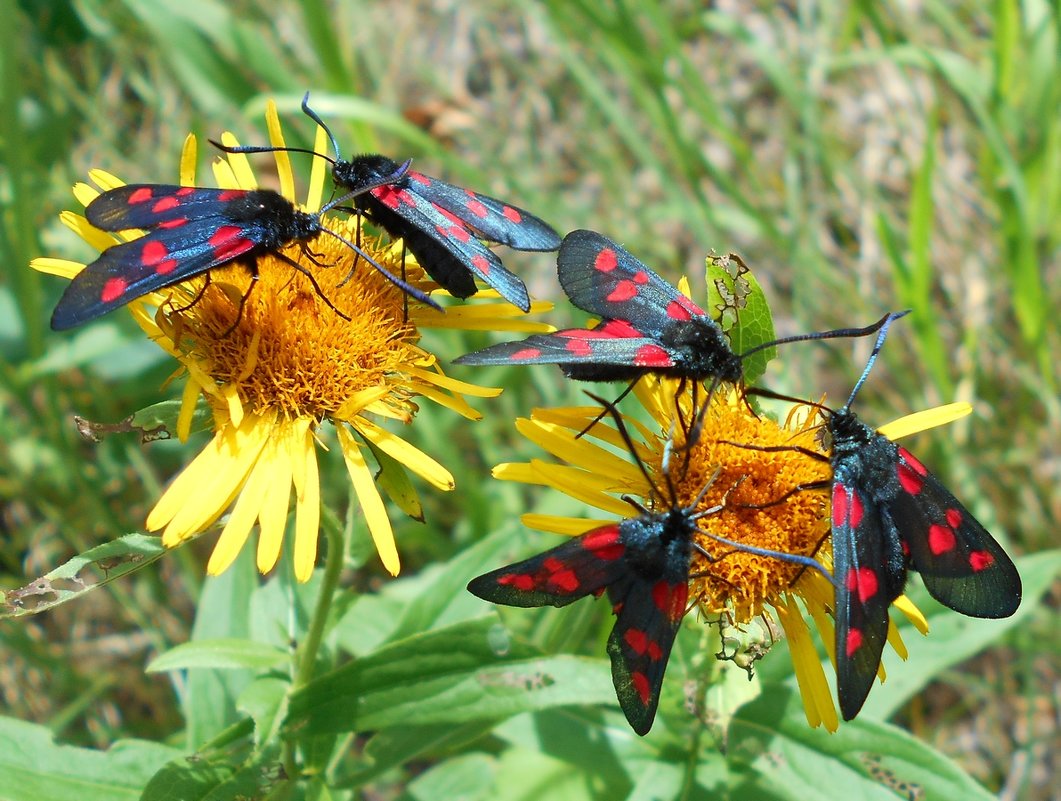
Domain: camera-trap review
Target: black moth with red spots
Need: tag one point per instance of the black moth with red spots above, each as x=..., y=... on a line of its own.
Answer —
x=191, y=230
x=442, y=225
x=648, y=326
x=889, y=514
x=643, y=564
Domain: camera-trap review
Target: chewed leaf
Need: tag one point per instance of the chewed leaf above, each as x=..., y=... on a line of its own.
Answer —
x=87, y=571
x=738, y=298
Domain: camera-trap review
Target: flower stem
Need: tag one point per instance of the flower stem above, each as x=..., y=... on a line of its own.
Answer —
x=307, y=660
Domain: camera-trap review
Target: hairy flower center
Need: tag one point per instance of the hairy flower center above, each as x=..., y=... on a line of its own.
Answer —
x=281, y=340
x=735, y=580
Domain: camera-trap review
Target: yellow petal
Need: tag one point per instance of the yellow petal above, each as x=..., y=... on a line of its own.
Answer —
x=93, y=236
x=223, y=173
x=454, y=403
x=189, y=399
x=561, y=442
x=483, y=317
x=924, y=420
x=319, y=169
x=105, y=180
x=241, y=165
x=281, y=156
x=568, y=526
x=360, y=400
x=273, y=514
x=202, y=491
x=238, y=527
x=189, y=155
x=895, y=640
x=371, y=503
x=579, y=485
x=813, y=687
x=452, y=384
x=84, y=193
x=912, y=613
x=307, y=507
x=230, y=394
x=64, y=268
x=400, y=450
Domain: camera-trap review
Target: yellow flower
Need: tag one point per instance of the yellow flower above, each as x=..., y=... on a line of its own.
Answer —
x=274, y=363
x=732, y=582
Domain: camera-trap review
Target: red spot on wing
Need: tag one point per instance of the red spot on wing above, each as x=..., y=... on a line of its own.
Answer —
x=458, y=232
x=909, y=479
x=476, y=207
x=954, y=518
x=561, y=577
x=941, y=539
x=864, y=582
x=480, y=263
x=605, y=261
x=392, y=197
x=676, y=311
x=980, y=560
x=579, y=347
x=231, y=194
x=854, y=642
x=670, y=599
x=526, y=353
x=604, y=543
x=113, y=289
x=228, y=242
x=165, y=204
x=618, y=329
x=912, y=460
x=141, y=195
x=449, y=215
x=847, y=507
x=419, y=177
x=642, y=645
x=512, y=215
x=177, y=223
x=155, y=254
x=624, y=290
x=184, y=191
x=652, y=356
x=641, y=684
x=521, y=581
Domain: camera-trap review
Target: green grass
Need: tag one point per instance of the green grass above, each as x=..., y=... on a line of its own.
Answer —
x=860, y=157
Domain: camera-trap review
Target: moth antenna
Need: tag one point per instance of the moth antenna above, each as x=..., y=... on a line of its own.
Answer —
x=836, y=333
x=316, y=118
x=885, y=325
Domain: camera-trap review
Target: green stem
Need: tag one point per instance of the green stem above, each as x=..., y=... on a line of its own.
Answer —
x=333, y=565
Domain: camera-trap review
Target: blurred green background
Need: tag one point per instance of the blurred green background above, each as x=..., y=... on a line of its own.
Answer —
x=860, y=156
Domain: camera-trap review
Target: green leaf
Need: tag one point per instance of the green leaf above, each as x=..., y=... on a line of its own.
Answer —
x=468, y=777
x=394, y=480
x=770, y=740
x=265, y=700
x=394, y=747
x=34, y=766
x=743, y=311
x=210, y=700
x=223, y=653
x=94, y=568
x=199, y=778
x=466, y=672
